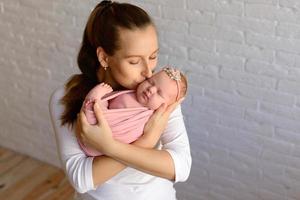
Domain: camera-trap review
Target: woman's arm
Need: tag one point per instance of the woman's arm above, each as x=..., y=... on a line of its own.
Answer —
x=104, y=168
x=172, y=162
x=76, y=165
x=84, y=173
x=155, y=162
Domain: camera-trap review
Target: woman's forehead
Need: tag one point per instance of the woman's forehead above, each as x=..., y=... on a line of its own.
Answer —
x=138, y=42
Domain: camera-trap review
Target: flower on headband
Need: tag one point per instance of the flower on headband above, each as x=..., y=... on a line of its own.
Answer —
x=173, y=73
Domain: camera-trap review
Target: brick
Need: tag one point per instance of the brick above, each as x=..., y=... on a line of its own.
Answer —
x=207, y=82
x=271, y=12
x=293, y=162
x=225, y=61
x=284, y=111
x=277, y=146
x=36, y=4
x=170, y=3
x=288, y=59
x=9, y=18
x=243, y=50
x=222, y=108
x=296, y=149
x=294, y=74
x=55, y=18
x=293, y=173
x=289, y=3
x=267, y=2
x=288, y=31
x=271, y=191
x=275, y=158
x=186, y=66
x=1, y=7
x=246, y=24
x=293, y=191
x=292, y=46
x=266, y=69
x=247, y=160
x=174, y=50
x=172, y=26
x=244, y=125
x=246, y=78
x=213, y=194
x=292, y=87
x=187, y=15
x=150, y=8
x=234, y=142
x=277, y=121
x=230, y=98
x=24, y=11
x=210, y=32
x=222, y=7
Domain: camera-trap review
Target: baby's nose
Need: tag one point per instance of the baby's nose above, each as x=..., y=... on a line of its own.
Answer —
x=153, y=89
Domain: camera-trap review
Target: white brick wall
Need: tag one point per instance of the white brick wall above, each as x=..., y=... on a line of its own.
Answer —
x=243, y=64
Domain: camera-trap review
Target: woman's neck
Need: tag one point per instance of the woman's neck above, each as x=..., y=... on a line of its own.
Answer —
x=106, y=77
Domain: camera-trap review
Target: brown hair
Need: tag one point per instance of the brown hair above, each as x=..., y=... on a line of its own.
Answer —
x=102, y=29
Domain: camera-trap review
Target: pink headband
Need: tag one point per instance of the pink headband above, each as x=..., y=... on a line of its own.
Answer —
x=174, y=74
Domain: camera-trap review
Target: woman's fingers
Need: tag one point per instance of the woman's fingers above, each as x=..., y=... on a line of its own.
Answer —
x=173, y=106
x=83, y=118
x=99, y=113
x=161, y=109
x=78, y=130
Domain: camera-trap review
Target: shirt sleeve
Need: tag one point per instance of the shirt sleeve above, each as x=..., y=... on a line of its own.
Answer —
x=76, y=165
x=175, y=141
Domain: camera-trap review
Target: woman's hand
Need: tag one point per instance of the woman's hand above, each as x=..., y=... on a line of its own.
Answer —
x=158, y=122
x=98, y=136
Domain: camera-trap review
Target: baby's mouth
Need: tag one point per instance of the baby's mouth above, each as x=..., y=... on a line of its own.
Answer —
x=146, y=95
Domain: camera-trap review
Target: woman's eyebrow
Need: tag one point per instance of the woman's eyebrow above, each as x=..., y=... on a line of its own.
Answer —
x=155, y=51
x=128, y=56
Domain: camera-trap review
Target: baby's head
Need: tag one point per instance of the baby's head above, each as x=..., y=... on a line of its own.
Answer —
x=166, y=86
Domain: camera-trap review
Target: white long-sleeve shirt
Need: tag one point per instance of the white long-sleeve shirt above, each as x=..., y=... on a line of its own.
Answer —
x=129, y=183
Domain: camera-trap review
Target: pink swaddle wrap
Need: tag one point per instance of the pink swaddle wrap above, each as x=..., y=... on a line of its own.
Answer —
x=127, y=124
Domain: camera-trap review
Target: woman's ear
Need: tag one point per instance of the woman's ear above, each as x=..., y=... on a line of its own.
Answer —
x=102, y=57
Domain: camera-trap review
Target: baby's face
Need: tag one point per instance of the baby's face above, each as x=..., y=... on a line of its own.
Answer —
x=155, y=91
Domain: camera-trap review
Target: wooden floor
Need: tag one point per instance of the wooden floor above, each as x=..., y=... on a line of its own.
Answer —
x=24, y=178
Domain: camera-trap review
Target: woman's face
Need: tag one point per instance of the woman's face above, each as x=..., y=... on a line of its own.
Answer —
x=136, y=58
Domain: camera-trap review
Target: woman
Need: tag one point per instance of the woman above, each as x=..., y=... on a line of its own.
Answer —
x=120, y=48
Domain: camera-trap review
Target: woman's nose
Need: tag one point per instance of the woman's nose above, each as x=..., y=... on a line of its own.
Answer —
x=147, y=72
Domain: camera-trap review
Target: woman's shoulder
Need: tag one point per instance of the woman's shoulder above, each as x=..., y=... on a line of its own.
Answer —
x=177, y=112
x=55, y=107
x=57, y=93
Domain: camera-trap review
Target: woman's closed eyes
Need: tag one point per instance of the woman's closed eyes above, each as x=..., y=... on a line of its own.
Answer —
x=135, y=62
